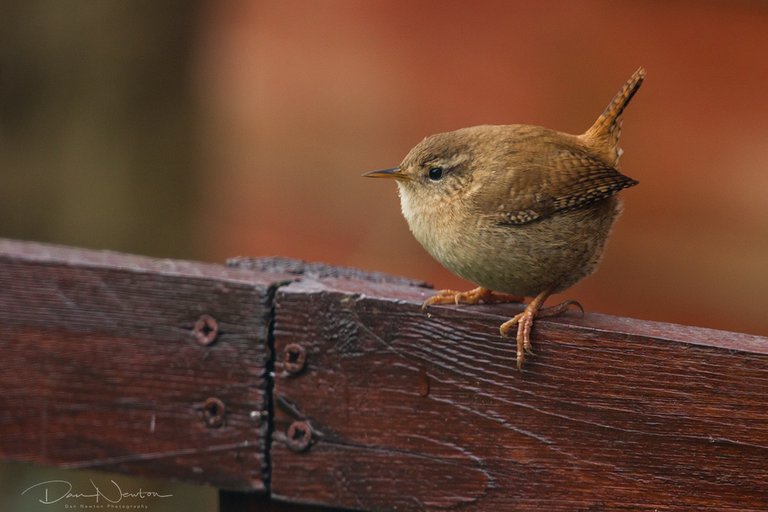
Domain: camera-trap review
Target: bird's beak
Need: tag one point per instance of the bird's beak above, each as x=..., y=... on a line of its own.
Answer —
x=393, y=173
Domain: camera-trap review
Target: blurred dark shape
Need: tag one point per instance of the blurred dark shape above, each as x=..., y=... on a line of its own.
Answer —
x=96, y=132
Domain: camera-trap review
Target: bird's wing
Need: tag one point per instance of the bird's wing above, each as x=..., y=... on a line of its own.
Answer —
x=567, y=180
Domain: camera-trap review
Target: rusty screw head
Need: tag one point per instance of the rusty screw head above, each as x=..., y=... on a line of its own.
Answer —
x=299, y=436
x=206, y=329
x=213, y=412
x=294, y=358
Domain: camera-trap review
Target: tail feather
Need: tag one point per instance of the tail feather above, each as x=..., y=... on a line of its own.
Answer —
x=604, y=134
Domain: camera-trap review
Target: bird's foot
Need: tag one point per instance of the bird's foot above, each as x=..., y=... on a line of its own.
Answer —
x=473, y=296
x=524, y=322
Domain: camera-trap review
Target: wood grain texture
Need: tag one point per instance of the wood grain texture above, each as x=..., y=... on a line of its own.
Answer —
x=416, y=413
x=376, y=406
x=101, y=367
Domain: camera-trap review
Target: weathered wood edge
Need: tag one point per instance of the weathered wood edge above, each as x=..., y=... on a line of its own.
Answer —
x=317, y=270
x=591, y=321
x=40, y=252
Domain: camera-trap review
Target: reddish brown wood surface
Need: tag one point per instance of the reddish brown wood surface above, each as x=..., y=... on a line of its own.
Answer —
x=376, y=406
x=101, y=367
x=407, y=412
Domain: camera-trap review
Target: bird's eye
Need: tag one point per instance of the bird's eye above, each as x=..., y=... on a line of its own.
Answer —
x=435, y=173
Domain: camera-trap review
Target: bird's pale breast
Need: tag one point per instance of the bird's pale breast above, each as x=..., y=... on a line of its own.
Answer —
x=526, y=259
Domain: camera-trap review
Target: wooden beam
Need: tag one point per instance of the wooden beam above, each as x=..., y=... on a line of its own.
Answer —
x=131, y=364
x=162, y=368
x=379, y=407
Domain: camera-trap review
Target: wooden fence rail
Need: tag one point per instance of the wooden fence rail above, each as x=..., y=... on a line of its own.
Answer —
x=166, y=369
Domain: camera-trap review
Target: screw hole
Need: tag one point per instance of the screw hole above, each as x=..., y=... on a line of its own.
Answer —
x=206, y=329
x=294, y=358
x=298, y=433
x=299, y=436
x=213, y=412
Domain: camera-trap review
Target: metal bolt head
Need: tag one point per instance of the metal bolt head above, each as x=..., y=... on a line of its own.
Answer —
x=294, y=358
x=206, y=329
x=299, y=436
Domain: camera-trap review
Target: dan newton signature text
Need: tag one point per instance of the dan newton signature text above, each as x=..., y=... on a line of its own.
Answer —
x=53, y=491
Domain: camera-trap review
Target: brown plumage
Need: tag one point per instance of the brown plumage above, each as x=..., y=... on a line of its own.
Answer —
x=522, y=211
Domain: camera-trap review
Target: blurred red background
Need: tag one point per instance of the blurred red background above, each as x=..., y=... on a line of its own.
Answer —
x=204, y=130
x=299, y=98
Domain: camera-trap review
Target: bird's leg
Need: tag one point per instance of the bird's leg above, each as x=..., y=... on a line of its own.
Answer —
x=473, y=296
x=524, y=322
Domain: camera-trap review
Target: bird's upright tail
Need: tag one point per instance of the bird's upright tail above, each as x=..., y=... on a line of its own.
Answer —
x=604, y=134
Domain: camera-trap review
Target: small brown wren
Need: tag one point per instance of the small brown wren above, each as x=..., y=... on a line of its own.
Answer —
x=522, y=211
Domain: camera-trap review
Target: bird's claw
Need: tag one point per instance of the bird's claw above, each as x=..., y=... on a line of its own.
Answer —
x=473, y=296
x=524, y=322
